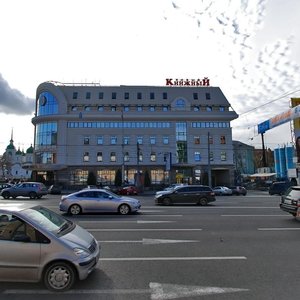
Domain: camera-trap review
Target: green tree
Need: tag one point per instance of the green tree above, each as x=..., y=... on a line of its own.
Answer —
x=147, y=180
x=118, y=178
x=91, y=180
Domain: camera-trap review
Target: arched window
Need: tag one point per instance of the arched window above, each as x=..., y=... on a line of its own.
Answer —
x=180, y=103
x=47, y=104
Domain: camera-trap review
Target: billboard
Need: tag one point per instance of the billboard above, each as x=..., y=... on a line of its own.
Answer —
x=295, y=103
x=289, y=115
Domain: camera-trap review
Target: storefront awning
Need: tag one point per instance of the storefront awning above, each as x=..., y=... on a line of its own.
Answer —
x=262, y=175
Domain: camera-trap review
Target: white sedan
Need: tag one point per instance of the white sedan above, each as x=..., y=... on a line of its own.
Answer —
x=222, y=191
x=98, y=200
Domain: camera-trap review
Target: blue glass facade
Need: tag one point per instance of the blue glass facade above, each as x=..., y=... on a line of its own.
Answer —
x=47, y=104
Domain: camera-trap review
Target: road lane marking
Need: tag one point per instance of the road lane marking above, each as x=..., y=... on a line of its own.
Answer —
x=282, y=215
x=141, y=229
x=149, y=241
x=278, y=229
x=173, y=258
x=158, y=291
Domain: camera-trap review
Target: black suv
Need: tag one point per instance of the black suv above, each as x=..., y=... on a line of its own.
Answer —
x=290, y=202
x=279, y=187
x=189, y=194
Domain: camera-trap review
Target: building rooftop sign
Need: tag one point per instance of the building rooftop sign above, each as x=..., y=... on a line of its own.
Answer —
x=187, y=82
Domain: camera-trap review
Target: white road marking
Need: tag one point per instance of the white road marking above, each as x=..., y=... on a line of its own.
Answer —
x=172, y=258
x=254, y=215
x=126, y=222
x=152, y=222
x=278, y=229
x=141, y=229
x=150, y=241
x=158, y=291
x=173, y=291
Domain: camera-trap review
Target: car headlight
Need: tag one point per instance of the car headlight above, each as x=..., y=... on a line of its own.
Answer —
x=81, y=252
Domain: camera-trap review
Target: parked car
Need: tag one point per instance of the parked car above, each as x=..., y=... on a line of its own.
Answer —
x=290, y=201
x=38, y=244
x=222, y=191
x=32, y=190
x=128, y=190
x=279, y=187
x=54, y=189
x=189, y=194
x=5, y=185
x=98, y=200
x=238, y=190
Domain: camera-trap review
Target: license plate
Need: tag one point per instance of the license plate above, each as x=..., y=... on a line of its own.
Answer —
x=288, y=201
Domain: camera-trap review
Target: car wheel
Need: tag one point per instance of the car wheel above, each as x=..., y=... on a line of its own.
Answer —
x=167, y=201
x=6, y=195
x=59, y=276
x=202, y=201
x=32, y=195
x=75, y=209
x=124, y=209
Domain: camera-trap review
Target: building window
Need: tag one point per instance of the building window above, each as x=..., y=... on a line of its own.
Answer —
x=221, y=108
x=74, y=108
x=113, y=157
x=101, y=95
x=126, y=96
x=152, y=140
x=223, y=155
x=114, y=95
x=86, y=140
x=88, y=95
x=126, y=108
x=139, y=96
x=47, y=104
x=208, y=108
x=211, y=140
x=86, y=157
x=100, y=140
x=126, y=140
x=113, y=140
x=139, y=108
x=99, y=157
x=139, y=140
x=87, y=108
x=75, y=95
x=140, y=156
x=126, y=156
x=165, y=96
x=195, y=96
x=222, y=139
x=151, y=108
x=153, y=156
x=152, y=96
x=207, y=96
x=100, y=108
x=196, y=140
x=113, y=108
x=180, y=103
x=196, y=108
x=165, y=140
x=197, y=156
x=211, y=156
x=165, y=108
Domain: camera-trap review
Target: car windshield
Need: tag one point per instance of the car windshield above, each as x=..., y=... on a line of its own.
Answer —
x=292, y=193
x=48, y=220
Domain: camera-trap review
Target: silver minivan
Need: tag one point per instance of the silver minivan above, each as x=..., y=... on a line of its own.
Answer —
x=38, y=244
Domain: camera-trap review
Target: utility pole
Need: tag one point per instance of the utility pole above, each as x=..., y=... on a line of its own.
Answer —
x=208, y=160
x=263, y=150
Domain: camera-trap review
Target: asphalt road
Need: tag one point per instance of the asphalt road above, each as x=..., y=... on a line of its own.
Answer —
x=236, y=248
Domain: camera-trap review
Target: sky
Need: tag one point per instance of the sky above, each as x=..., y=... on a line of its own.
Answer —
x=248, y=48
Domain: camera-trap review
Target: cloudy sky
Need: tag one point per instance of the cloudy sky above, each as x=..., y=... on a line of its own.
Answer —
x=249, y=48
